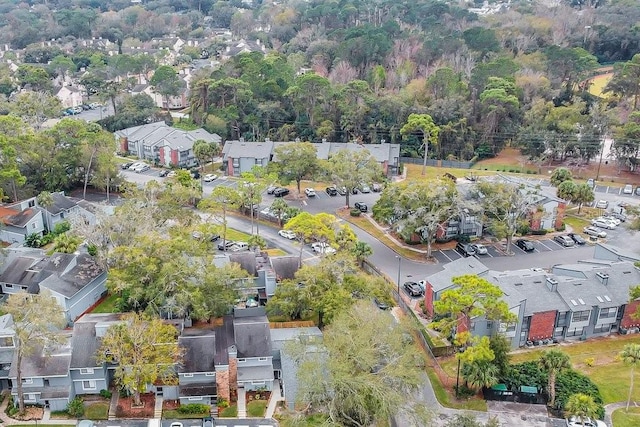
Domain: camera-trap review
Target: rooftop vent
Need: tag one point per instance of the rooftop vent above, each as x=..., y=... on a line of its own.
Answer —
x=552, y=284
x=604, y=277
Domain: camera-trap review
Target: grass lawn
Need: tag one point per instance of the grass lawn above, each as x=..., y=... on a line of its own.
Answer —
x=229, y=412
x=415, y=172
x=576, y=223
x=237, y=236
x=611, y=376
x=275, y=252
x=97, y=411
x=44, y=425
x=257, y=408
x=108, y=305
x=621, y=418
x=173, y=414
x=447, y=398
x=598, y=83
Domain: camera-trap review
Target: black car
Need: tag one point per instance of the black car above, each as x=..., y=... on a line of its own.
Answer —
x=225, y=245
x=195, y=174
x=525, y=245
x=332, y=191
x=577, y=238
x=465, y=249
x=413, y=289
x=214, y=238
x=163, y=173
x=280, y=192
x=125, y=165
x=362, y=207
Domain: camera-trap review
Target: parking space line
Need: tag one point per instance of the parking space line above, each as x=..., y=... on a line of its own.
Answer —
x=542, y=244
x=519, y=248
x=558, y=244
x=445, y=255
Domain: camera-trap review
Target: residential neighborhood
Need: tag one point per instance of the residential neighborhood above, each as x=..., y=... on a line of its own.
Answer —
x=318, y=213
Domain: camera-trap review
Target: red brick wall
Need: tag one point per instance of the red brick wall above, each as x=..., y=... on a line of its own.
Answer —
x=627, y=321
x=464, y=325
x=124, y=145
x=174, y=157
x=230, y=166
x=562, y=207
x=222, y=385
x=542, y=325
x=428, y=298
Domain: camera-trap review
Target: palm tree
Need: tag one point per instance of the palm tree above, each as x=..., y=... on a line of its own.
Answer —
x=553, y=361
x=480, y=373
x=361, y=250
x=581, y=406
x=630, y=355
x=45, y=199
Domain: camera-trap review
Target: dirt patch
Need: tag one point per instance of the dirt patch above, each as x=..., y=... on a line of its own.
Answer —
x=170, y=404
x=126, y=408
x=258, y=395
x=30, y=413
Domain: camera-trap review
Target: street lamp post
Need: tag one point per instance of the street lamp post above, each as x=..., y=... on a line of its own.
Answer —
x=458, y=379
x=399, y=268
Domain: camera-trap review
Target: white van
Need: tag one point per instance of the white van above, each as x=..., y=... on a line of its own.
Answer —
x=240, y=246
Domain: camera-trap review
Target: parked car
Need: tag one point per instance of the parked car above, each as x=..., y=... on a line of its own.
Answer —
x=332, y=191
x=342, y=191
x=525, y=245
x=310, y=192
x=364, y=188
x=376, y=187
x=610, y=218
x=574, y=421
x=594, y=231
x=480, y=248
x=195, y=174
x=126, y=165
x=163, y=173
x=638, y=190
x=578, y=239
x=271, y=189
x=239, y=246
x=280, y=192
x=602, y=204
x=361, y=206
x=171, y=174
x=210, y=177
x=602, y=223
x=617, y=215
x=412, y=288
x=322, y=248
x=465, y=249
x=287, y=234
x=565, y=241
x=381, y=304
x=225, y=245
x=591, y=183
x=95, y=105
x=134, y=165
x=355, y=190
x=141, y=168
x=214, y=237
x=628, y=189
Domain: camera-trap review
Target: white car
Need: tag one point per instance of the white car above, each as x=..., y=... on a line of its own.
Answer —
x=210, y=177
x=595, y=231
x=602, y=223
x=322, y=248
x=602, y=204
x=480, y=248
x=628, y=189
x=574, y=421
x=310, y=192
x=612, y=219
x=141, y=168
x=287, y=234
x=171, y=174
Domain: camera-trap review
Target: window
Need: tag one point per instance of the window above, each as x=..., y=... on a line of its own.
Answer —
x=33, y=225
x=262, y=359
x=606, y=313
x=575, y=332
x=89, y=385
x=557, y=332
x=210, y=374
x=32, y=203
x=27, y=381
x=85, y=371
x=602, y=328
x=580, y=316
x=8, y=285
x=188, y=375
x=242, y=360
x=192, y=399
x=257, y=382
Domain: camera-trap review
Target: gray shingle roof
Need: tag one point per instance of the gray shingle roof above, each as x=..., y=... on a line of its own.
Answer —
x=461, y=266
x=285, y=267
x=60, y=203
x=20, y=271
x=72, y=281
x=199, y=350
x=84, y=345
x=224, y=339
x=40, y=365
x=253, y=150
x=530, y=285
x=252, y=336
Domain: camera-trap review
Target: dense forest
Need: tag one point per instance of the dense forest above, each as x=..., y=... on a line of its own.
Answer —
x=354, y=70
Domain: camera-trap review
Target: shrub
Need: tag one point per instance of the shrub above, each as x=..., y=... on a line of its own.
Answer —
x=562, y=227
x=33, y=240
x=12, y=409
x=538, y=232
x=590, y=361
x=223, y=403
x=105, y=393
x=75, y=408
x=193, y=408
x=355, y=212
x=571, y=382
x=524, y=229
x=61, y=227
x=92, y=250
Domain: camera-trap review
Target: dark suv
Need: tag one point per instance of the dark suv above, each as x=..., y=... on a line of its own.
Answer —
x=280, y=192
x=362, y=207
x=465, y=249
x=332, y=191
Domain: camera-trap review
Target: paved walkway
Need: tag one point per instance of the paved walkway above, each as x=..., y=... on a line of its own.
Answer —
x=610, y=408
x=276, y=397
x=113, y=405
x=242, y=403
x=157, y=409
